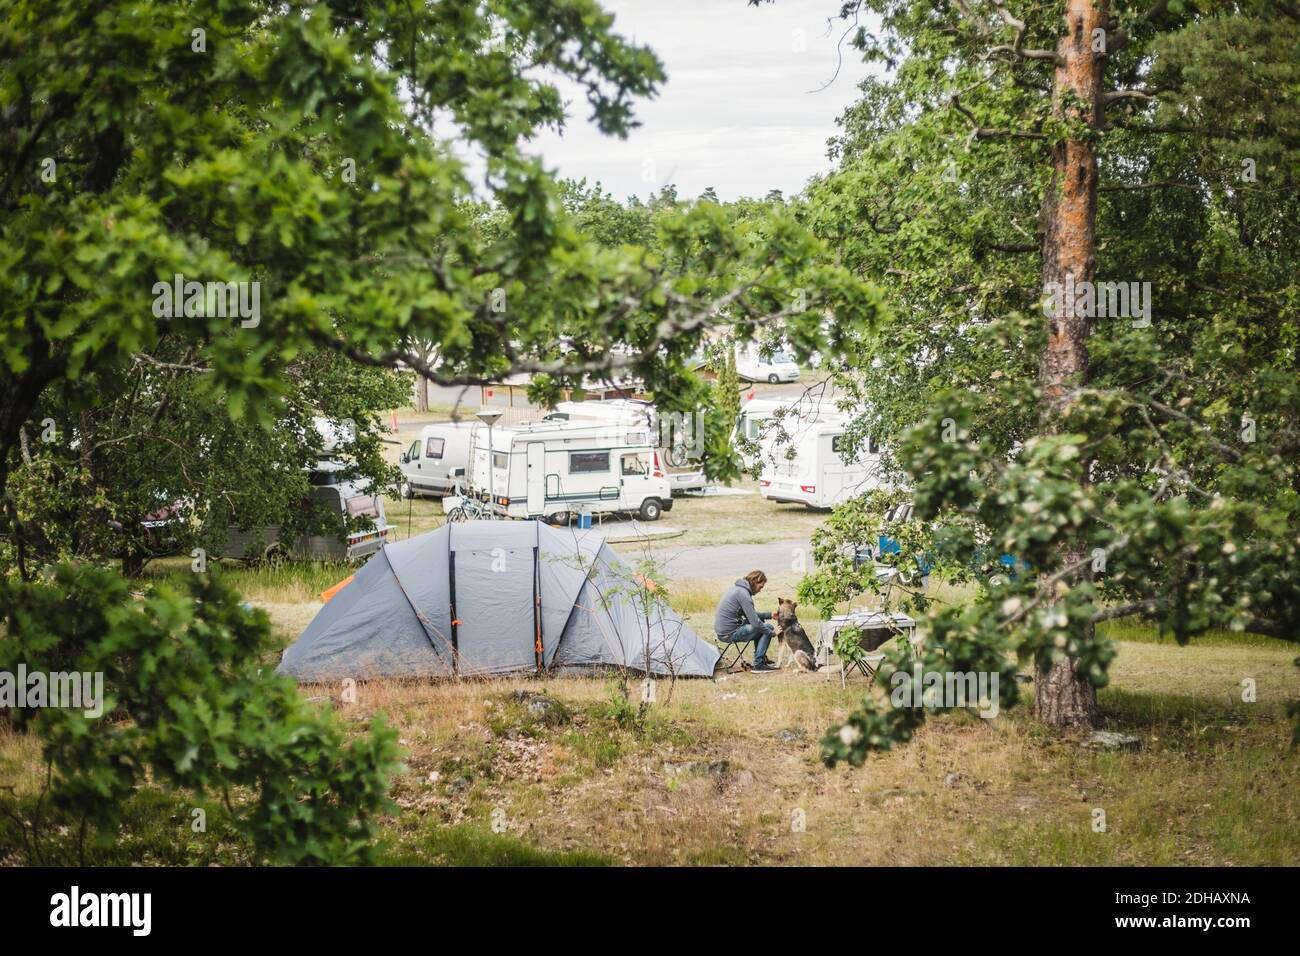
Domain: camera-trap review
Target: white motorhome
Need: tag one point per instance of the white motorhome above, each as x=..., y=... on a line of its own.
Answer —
x=803, y=461
x=552, y=469
x=679, y=459
x=427, y=465
x=763, y=418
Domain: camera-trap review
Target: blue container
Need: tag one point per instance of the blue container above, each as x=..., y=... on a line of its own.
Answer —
x=584, y=521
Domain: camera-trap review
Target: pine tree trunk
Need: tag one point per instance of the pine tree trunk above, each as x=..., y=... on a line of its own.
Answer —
x=421, y=393
x=1064, y=697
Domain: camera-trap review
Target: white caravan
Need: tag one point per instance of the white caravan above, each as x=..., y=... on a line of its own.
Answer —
x=552, y=469
x=680, y=468
x=803, y=462
x=428, y=463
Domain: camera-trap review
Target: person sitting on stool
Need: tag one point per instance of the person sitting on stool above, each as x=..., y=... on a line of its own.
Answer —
x=736, y=621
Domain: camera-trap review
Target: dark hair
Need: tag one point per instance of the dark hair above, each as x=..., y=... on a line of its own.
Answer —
x=756, y=579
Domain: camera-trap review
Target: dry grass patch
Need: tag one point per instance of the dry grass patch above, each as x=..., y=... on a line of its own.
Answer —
x=724, y=771
x=564, y=771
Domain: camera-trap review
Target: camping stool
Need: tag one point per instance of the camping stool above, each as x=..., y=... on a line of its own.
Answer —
x=867, y=665
x=739, y=656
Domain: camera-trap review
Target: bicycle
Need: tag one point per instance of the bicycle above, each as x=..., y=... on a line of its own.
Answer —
x=468, y=509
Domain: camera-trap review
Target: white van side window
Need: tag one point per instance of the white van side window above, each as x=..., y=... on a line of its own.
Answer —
x=587, y=462
x=873, y=447
x=434, y=446
x=414, y=451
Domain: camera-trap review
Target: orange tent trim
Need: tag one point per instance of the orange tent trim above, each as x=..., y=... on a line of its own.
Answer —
x=327, y=594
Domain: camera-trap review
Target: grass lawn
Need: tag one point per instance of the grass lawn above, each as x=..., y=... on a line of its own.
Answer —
x=720, y=771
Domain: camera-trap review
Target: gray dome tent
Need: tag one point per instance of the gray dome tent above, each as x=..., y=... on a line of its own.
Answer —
x=493, y=597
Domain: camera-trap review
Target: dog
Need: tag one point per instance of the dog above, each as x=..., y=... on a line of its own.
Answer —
x=793, y=637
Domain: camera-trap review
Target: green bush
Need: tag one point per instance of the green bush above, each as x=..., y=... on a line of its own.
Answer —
x=187, y=707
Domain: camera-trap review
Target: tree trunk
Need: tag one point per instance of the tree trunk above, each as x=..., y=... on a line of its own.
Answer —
x=421, y=393
x=1064, y=697
x=132, y=563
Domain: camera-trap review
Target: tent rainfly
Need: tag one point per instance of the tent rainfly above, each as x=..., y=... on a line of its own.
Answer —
x=494, y=597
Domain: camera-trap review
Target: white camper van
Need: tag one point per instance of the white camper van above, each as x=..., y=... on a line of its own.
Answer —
x=753, y=366
x=680, y=467
x=428, y=463
x=809, y=468
x=551, y=469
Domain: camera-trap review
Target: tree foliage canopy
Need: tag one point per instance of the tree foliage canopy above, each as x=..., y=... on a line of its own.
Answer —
x=1170, y=488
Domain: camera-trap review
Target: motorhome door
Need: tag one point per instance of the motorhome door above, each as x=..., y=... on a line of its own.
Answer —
x=634, y=478
x=536, y=457
x=835, y=478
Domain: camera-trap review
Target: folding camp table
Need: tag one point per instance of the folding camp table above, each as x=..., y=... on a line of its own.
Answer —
x=876, y=627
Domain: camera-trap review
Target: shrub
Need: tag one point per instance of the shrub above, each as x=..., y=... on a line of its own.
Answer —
x=187, y=707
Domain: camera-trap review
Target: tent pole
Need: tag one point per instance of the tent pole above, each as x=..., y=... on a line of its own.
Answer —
x=455, y=623
x=537, y=595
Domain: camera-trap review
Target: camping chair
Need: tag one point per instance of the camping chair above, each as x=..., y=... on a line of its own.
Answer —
x=738, y=657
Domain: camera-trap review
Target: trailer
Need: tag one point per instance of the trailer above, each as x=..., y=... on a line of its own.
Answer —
x=553, y=469
x=346, y=498
x=763, y=420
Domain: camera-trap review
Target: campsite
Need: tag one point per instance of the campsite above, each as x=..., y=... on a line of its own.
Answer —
x=591, y=433
x=568, y=770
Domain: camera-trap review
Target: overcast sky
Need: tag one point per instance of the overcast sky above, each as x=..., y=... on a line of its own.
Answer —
x=743, y=109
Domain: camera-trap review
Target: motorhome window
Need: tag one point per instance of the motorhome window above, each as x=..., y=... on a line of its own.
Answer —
x=836, y=442
x=872, y=447
x=586, y=462
x=321, y=479
x=363, y=506
x=498, y=459
x=753, y=428
x=433, y=447
x=636, y=464
x=414, y=451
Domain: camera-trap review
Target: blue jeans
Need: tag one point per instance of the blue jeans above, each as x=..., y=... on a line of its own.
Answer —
x=762, y=634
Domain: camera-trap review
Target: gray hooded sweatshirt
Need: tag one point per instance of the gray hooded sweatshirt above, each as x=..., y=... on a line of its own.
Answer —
x=737, y=608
